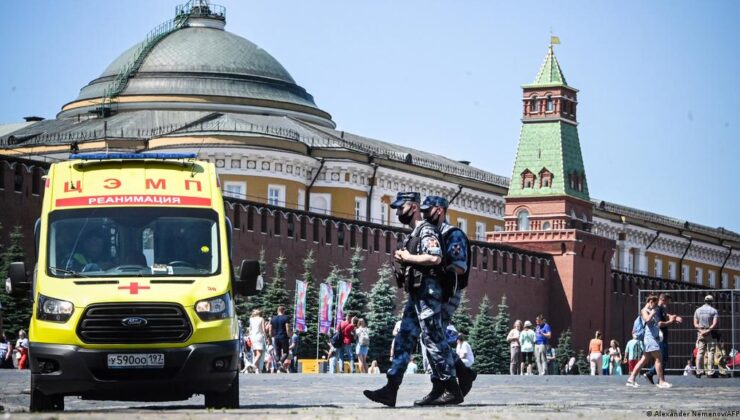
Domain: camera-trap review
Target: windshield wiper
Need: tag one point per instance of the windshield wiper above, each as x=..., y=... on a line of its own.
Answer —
x=70, y=272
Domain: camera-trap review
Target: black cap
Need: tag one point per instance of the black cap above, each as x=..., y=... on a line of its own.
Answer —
x=403, y=197
x=434, y=201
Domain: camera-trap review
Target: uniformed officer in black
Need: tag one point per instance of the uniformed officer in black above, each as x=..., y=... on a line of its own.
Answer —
x=420, y=256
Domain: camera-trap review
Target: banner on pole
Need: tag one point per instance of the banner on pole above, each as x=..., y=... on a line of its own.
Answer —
x=343, y=289
x=300, y=306
x=326, y=298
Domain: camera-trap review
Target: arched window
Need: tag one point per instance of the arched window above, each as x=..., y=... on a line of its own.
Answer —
x=522, y=220
x=535, y=107
x=550, y=105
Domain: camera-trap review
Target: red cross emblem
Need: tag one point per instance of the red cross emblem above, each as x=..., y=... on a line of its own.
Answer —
x=133, y=288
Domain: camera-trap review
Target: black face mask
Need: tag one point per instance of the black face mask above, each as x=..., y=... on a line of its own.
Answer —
x=406, y=218
x=431, y=219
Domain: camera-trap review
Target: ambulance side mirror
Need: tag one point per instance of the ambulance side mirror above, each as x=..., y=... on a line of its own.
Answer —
x=17, y=282
x=250, y=281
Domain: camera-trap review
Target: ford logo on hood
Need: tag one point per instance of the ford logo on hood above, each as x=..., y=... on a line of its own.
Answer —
x=134, y=321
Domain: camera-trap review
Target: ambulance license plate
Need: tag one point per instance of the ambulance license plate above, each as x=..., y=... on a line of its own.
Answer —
x=136, y=360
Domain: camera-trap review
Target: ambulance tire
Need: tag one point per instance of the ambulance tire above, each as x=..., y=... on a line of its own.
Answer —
x=226, y=399
x=41, y=402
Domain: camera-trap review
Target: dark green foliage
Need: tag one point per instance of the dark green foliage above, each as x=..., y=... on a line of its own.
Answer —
x=482, y=339
x=16, y=310
x=582, y=363
x=380, y=318
x=461, y=318
x=308, y=339
x=501, y=348
x=565, y=350
x=357, y=300
x=276, y=294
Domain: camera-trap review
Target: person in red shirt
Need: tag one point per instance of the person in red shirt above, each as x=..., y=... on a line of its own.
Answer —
x=347, y=330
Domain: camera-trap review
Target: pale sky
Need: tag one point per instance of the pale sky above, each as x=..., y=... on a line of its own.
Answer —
x=658, y=80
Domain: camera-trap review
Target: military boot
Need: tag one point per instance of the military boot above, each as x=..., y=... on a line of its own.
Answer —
x=438, y=388
x=465, y=377
x=452, y=396
x=385, y=395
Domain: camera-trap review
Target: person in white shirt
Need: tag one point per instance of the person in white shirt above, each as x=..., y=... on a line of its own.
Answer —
x=464, y=351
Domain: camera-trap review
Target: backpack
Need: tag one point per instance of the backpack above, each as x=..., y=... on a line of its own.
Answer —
x=638, y=328
x=336, y=339
x=462, y=279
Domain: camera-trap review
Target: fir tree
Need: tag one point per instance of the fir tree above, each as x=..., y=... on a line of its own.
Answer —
x=461, y=318
x=501, y=348
x=482, y=340
x=246, y=306
x=16, y=310
x=565, y=349
x=276, y=294
x=582, y=363
x=307, y=349
x=357, y=300
x=380, y=318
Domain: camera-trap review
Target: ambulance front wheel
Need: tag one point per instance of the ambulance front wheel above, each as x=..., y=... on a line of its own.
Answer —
x=41, y=402
x=226, y=399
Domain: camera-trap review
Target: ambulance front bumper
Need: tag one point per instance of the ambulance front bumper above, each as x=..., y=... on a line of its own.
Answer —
x=195, y=369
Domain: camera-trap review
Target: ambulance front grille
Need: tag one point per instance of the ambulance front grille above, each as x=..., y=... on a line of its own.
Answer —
x=104, y=323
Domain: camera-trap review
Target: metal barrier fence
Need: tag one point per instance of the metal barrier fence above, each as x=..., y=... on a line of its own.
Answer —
x=682, y=338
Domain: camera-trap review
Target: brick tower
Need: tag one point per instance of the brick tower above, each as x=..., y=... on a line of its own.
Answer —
x=548, y=207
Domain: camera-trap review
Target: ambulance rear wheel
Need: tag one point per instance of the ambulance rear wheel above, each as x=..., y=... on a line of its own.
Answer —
x=41, y=402
x=226, y=399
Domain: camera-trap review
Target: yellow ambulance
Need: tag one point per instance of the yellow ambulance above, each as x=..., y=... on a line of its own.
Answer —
x=134, y=287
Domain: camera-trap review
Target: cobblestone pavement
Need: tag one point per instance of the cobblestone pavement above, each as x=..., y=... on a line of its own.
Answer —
x=340, y=396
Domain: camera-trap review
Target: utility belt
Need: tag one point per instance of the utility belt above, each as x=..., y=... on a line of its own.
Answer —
x=409, y=277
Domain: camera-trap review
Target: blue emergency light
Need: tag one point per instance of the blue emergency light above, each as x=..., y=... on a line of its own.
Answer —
x=131, y=156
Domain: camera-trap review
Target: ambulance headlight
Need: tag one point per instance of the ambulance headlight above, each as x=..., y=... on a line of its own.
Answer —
x=54, y=310
x=218, y=307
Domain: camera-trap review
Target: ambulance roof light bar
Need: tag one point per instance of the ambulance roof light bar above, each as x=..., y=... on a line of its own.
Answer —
x=131, y=156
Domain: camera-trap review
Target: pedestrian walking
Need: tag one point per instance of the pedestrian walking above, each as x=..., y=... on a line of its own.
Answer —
x=456, y=269
x=595, y=349
x=633, y=350
x=648, y=314
x=257, y=339
x=279, y=332
x=526, y=339
x=543, y=333
x=615, y=358
x=346, y=352
x=464, y=351
x=6, y=353
x=665, y=320
x=21, y=346
x=515, y=348
x=363, y=344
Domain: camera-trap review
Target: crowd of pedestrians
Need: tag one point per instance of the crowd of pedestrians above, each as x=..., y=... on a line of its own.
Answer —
x=12, y=356
x=269, y=346
x=530, y=348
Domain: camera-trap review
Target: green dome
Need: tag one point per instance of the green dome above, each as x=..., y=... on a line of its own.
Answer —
x=202, y=59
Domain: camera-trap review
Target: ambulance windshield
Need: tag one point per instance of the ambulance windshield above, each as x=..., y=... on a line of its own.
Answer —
x=137, y=242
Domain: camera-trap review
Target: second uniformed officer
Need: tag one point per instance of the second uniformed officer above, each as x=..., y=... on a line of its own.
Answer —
x=420, y=258
x=455, y=273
